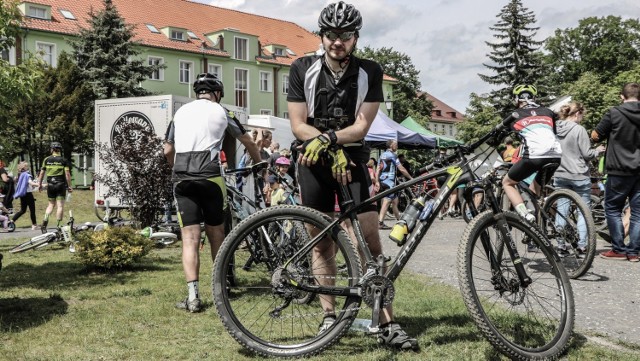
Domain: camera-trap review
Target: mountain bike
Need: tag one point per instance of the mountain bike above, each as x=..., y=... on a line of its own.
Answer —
x=562, y=216
x=261, y=249
x=60, y=234
x=521, y=300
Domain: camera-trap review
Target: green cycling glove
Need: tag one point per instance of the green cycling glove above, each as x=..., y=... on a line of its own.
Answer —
x=340, y=164
x=315, y=147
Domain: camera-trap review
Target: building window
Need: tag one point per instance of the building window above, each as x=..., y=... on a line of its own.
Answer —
x=242, y=49
x=279, y=51
x=451, y=130
x=37, y=12
x=185, y=71
x=152, y=29
x=177, y=35
x=192, y=35
x=265, y=111
x=9, y=55
x=285, y=84
x=452, y=114
x=438, y=112
x=285, y=115
x=47, y=53
x=442, y=128
x=265, y=81
x=157, y=74
x=215, y=69
x=241, y=87
x=67, y=14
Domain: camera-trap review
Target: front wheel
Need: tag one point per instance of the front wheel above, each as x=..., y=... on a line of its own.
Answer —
x=35, y=242
x=264, y=308
x=533, y=321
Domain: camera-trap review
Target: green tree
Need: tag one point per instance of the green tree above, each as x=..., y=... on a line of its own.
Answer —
x=513, y=56
x=604, y=46
x=107, y=56
x=406, y=101
x=481, y=118
x=70, y=101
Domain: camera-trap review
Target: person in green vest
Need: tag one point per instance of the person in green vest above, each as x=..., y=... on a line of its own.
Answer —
x=58, y=175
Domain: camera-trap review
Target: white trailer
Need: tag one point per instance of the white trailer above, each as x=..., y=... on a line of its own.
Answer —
x=152, y=112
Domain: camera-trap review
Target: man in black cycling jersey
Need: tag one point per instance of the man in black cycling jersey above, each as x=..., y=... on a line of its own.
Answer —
x=192, y=146
x=332, y=101
x=536, y=127
x=58, y=175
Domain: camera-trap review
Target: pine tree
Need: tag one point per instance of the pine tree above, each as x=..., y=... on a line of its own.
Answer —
x=107, y=56
x=515, y=57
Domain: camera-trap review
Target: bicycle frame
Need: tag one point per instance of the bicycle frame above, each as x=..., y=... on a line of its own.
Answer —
x=457, y=174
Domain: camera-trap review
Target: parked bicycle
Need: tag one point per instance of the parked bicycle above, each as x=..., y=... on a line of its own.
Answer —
x=520, y=299
x=562, y=216
x=64, y=234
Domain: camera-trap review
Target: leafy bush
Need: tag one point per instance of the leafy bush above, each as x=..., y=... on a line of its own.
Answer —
x=112, y=248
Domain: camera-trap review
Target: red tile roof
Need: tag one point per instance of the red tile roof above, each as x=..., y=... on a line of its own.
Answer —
x=446, y=112
x=198, y=18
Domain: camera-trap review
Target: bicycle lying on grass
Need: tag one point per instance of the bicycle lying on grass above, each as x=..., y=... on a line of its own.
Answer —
x=60, y=234
x=521, y=300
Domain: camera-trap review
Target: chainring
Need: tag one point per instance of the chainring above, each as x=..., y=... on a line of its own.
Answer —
x=375, y=285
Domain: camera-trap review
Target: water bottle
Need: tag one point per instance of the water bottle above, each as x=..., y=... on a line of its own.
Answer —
x=428, y=208
x=407, y=221
x=68, y=199
x=360, y=325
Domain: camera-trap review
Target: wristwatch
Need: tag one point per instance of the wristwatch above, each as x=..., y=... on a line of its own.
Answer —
x=332, y=136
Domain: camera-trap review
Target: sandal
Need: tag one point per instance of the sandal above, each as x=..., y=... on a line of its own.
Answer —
x=393, y=335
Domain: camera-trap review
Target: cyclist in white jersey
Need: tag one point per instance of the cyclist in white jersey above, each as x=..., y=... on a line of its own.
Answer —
x=536, y=127
x=192, y=146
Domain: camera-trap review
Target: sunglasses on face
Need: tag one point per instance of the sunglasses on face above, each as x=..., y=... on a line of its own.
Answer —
x=344, y=36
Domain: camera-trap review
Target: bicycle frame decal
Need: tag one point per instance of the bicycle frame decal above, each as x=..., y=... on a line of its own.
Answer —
x=456, y=172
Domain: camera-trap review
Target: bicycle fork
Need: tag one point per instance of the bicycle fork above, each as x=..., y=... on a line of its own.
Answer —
x=505, y=235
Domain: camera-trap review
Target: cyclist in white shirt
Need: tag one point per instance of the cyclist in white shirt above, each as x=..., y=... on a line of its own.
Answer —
x=192, y=146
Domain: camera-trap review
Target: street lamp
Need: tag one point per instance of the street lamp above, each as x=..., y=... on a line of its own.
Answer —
x=389, y=104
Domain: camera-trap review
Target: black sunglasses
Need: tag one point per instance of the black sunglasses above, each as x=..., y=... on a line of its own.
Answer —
x=344, y=36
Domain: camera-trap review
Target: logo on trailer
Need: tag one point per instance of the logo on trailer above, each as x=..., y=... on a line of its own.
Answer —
x=129, y=128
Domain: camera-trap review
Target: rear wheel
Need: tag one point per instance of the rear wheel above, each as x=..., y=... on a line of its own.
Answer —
x=524, y=322
x=570, y=224
x=265, y=309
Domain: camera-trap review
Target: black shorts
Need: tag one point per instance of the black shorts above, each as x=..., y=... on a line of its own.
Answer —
x=526, y=167
x=56, y=190
x=318, y=187
x=200, y=201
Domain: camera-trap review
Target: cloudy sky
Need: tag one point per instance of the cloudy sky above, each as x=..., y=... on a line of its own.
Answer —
x=444, y=38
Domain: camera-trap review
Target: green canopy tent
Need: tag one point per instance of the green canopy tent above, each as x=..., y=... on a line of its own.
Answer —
x=441, y=140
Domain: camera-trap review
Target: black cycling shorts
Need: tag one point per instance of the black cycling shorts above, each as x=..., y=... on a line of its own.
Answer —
x=200, y=201
x=526, y=167
x=318, y=187
x=56, y=190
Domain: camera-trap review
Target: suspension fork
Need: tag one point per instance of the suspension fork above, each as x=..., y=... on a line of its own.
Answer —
x=503, y=228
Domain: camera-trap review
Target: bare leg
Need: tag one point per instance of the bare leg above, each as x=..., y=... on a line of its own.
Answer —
x=190, y=256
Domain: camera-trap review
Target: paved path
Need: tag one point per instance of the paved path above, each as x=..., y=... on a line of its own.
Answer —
x=607, y=298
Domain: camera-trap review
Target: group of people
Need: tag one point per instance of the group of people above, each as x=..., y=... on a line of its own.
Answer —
x=332, y=100
x=58, y=183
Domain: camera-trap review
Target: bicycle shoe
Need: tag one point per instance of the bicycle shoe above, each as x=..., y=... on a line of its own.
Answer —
x=43, y=227
x=191, y=306
x=326, y=324
x=393, y=335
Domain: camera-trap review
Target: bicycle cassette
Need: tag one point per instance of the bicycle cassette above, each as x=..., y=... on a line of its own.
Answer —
x=374, y=286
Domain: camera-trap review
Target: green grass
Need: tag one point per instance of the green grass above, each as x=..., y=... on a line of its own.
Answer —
x=51, y=308
x=81, y=204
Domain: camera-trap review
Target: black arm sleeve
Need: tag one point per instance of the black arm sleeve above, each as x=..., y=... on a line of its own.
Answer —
x=170, y=135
